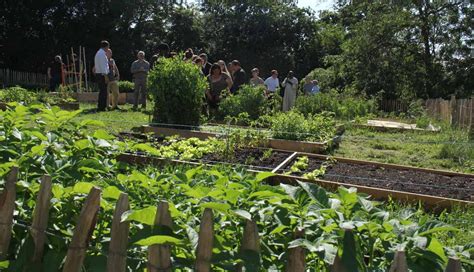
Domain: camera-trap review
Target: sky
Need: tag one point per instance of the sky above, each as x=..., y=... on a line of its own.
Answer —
x=316, y=5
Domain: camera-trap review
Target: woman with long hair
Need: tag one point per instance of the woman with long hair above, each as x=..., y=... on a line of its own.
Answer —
x=219, y=82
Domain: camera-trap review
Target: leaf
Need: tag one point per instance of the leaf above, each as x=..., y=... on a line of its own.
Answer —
x=145, y=216
x=264, y=175
x=220, y=207
x=82, y=144
x=89, y=122
x=436, y=247
x=434, y=227
x=103, y=135
x=158, y=239
x=243, y=214
x=39, y=135
x=265, y=194
x=83, y=187
x=315, y=192
x=17, y=134
x=111, y=192
x=292, y=191
x=4, y=264
x=147, y=148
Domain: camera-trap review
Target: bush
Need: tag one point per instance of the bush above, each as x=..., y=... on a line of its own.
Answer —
x=295, y=126
x=344, y=106
x=249, y=99
x=177, y=88
x=17, y=94
x=126, y=86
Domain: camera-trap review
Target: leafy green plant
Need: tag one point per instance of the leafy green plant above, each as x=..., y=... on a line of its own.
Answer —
x=17, y=94
x=177, y=88
x=126, y=86
x=249, y=99
x=301, y=164
x=295, y=126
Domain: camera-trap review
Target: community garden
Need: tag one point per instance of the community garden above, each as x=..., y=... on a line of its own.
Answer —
x=244, y=188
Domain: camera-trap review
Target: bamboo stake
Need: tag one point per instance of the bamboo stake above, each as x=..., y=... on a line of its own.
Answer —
x=85, y=69
x=117, y=256
x=250, y=241
x=399, y=262
x=159, y=256
x=84, y=228
x=454, y=265
x=74, y=68
x=7, y=206
x=296, y=256
x=40, y=217
x=80, y=68
x=205, y=242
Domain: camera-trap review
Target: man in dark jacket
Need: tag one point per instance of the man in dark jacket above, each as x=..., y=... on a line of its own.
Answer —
x=239, y=76
x=206, y=66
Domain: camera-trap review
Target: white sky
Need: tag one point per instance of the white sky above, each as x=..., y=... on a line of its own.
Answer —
x=316, y=5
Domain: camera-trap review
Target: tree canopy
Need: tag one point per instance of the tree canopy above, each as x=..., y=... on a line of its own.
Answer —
x=398, y=48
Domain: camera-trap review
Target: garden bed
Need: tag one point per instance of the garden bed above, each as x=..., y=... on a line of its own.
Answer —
x=390, y=125
x=297, y=146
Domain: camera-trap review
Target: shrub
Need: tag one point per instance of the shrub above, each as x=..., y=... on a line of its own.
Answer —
x=126, y=86
x=17, y=94
x=295, y=126
x=344, y=106
x=177, y=88
x=249, y=99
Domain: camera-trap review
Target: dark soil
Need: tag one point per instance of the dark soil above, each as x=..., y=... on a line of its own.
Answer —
x=250, y=156
x=413, y=181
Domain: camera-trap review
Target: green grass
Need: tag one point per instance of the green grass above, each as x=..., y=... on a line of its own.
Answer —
x=449, y=149
x=118, y=120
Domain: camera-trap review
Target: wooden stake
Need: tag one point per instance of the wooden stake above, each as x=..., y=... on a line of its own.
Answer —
x=250, y=241
x=85, y=69
x=205, y=242
x=40, y=218
x=296, y=256
x=84, y=228
x=337, y=265
x=117, y=256
x=7, y=206
x=399, y=262
x=159, y=256
x=454, y=265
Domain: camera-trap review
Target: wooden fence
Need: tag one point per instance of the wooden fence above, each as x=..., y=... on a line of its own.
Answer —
x=457, y=112
x=159, y=255
x=9, y=77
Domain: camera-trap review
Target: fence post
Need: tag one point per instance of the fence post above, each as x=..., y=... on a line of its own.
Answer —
x=205, y=242
x=117, y=255
x=399, y=262
x=337, y=265
x=40, y=217
x=159, y=256
x=83, y=231
x=454, y=265
x=7, y=206
x=296, y=256
x=250, y=246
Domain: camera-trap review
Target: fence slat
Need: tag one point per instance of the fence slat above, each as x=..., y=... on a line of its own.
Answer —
x=84, y=228
x=117, y=255
x=296, y=256
x=399, y=262
x=7, y=206
x=205, y=242
x=159, y=256
x=41, y=217
x=250, y=242
x=454, y=265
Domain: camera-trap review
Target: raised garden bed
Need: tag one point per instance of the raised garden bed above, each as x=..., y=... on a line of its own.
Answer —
x=390, y=125
x=299, y=146
x=69, y=106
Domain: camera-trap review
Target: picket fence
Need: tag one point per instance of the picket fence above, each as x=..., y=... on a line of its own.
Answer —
x=10, y=77
x=159, y=255
x=457, y=112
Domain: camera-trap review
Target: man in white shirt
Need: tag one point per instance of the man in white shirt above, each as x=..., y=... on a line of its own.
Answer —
x=101, y=70
x=272, y=83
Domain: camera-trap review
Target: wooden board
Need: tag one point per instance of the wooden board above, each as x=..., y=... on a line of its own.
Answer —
x=433, y=202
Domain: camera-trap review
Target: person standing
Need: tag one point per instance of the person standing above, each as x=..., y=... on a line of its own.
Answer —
x=114, y=77
x=139, y=70
x=55, y=73
x=256, y=80
x=239, y=77
x=218, y=82
x=290, y=84
x=272, y=82
x=101, y=70
x=206, y=66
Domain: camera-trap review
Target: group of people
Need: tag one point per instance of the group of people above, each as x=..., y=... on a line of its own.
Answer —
x=223, y=78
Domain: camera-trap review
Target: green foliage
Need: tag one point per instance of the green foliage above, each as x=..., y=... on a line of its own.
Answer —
x=295, y=126
x=126, y=86
x=250, y=100
x=17, y=94
x=177, y=88
x=299, y=165
x=345, y=106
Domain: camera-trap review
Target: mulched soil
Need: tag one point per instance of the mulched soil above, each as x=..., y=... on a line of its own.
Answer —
x=250, y=156
x=413, y=181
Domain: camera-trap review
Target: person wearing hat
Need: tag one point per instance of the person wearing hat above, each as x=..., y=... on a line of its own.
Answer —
x=290, y=84
x=256, y=80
